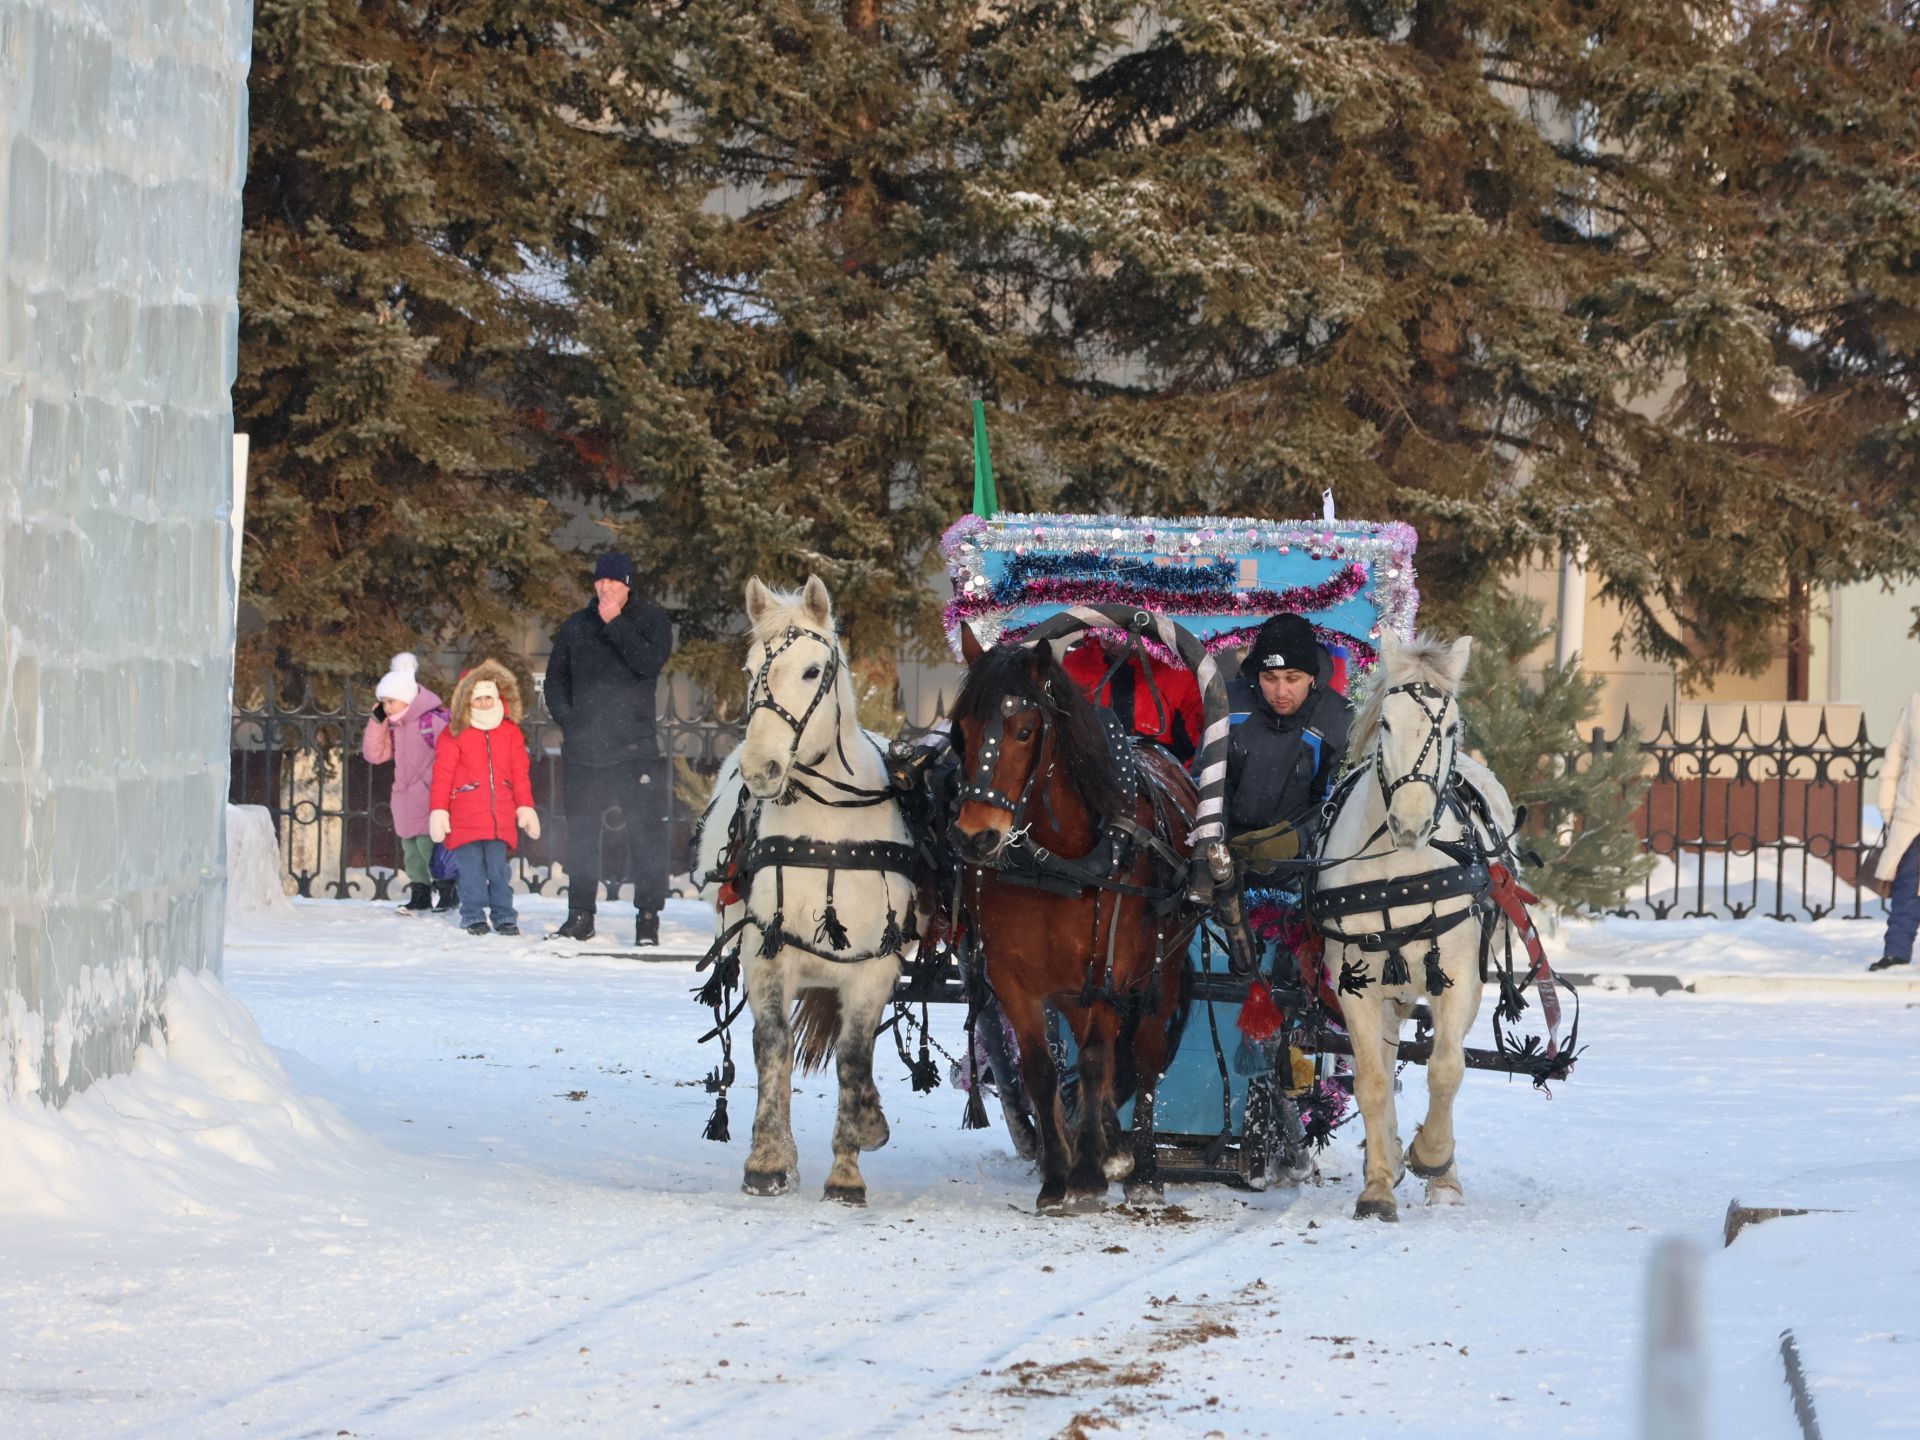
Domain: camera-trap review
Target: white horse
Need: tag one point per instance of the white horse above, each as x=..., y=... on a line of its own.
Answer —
x=1403, y=802
x=825, y=919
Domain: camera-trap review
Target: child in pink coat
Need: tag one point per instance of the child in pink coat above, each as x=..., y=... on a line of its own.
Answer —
x=405, y=728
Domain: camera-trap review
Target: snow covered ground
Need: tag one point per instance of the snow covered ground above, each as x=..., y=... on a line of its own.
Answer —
x=456, y=1187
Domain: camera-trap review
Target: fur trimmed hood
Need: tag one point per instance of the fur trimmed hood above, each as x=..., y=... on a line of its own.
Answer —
x=460, y=709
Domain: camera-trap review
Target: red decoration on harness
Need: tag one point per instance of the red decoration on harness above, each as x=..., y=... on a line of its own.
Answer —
x=1513, y=898
x=1260, y=1019
x=729, y=894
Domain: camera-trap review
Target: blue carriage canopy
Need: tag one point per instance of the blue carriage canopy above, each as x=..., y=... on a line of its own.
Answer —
x=1217, y=577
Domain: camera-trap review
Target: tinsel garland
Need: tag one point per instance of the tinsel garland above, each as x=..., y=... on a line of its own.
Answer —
x=1169, y=599
x=1107, y=549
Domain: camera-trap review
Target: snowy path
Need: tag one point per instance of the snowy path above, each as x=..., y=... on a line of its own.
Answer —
x=497, y=1258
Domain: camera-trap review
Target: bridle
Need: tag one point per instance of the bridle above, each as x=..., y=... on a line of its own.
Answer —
x=760, y=696
x=980, y=787
x=1439, y=732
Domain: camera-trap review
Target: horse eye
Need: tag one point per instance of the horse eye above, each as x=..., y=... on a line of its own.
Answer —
x=812, y=673
x=1385, y=728
x=1026, y=733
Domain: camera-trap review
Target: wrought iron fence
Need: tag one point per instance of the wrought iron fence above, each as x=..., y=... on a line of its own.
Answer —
x=300, y=758
x=1745, y=815
x=1742, y=816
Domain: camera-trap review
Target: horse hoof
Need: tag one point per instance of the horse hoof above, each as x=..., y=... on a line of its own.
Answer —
x=1386, y=1209
x=1442, y=1192
x=767, y=1182
x=1118, y=1166
x=847, y=1194
x=1146, y=1192
x=1051, y=1202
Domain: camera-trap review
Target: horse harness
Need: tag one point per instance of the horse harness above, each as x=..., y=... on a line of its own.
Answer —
x=748, y=853
x=1026, y=862
x=1486, y=873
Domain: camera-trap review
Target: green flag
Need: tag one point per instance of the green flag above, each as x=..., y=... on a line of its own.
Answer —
x=986, y=503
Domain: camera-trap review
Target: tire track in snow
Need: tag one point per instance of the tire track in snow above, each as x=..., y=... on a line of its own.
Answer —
x=739, y=1413
x=189, y=1421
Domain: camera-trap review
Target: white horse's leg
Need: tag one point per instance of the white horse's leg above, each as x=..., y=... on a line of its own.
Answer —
x=1430, y=1155
x=858, y=1123
x=1366, y=1020
x=773, y=1164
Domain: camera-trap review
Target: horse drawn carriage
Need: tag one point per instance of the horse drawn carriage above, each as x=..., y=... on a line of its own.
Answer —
x=1145, y=1002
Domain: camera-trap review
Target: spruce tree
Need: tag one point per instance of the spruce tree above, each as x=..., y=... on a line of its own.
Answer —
x=1579, y=804
x=420, y=182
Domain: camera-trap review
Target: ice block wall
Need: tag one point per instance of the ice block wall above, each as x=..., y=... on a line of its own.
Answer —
x=122, y=151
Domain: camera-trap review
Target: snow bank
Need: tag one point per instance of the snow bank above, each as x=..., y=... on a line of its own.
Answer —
x=205, y=1123
x=254, y=883
x=1845, y=1279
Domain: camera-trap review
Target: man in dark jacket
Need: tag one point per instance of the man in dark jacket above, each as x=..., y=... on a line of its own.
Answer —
x=601, y=679
x=1289, y=731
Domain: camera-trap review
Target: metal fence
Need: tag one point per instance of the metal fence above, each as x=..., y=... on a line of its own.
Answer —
x=1756, y=813
x=300, y=758
x=1742, y=818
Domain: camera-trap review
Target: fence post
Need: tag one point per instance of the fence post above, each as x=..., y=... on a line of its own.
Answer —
x=1673, y=1371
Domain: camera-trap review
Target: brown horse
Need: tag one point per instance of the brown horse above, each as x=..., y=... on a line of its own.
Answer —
x=1073, y=905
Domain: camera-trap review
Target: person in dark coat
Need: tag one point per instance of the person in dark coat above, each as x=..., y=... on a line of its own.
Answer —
x=601, y=683
x=1289, y=735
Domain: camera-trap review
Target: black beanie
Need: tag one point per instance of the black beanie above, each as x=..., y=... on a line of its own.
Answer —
x=1285, y=642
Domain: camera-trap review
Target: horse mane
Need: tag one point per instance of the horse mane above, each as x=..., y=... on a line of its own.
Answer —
x=1080, y=742
x=1422, y=659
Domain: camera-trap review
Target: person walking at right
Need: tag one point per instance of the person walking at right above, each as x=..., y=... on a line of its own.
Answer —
x=483, y=794
x=1900, y=836
x=601, y=682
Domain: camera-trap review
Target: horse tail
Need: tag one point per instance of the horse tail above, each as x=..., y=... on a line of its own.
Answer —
x=816, y=1026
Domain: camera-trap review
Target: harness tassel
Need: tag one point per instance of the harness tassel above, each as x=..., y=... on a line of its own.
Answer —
x=1437, y=979
x=1512, y=1002
x=830, y=931
x=893, y=940
x=975, y=1117
x=717, y=1122
x=1354, y=977
x=1394, y=972
x=926, y=1074
x=770, y=937
x=726, y=975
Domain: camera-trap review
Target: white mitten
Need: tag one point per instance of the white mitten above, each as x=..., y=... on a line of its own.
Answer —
x=439, y=826
x=529, y=821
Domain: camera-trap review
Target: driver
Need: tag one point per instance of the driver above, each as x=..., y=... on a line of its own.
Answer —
x=1289, y=734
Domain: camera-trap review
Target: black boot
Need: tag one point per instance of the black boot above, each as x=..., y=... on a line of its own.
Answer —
x=579, y=926
x=1887, y=962
x=449, y=892
x=646, y=927
x=420, y=902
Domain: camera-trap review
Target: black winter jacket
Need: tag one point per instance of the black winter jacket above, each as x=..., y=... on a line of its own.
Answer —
x=1279, y=767
x=601, y=682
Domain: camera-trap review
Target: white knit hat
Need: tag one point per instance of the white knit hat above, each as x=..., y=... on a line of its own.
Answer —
x=398, y=683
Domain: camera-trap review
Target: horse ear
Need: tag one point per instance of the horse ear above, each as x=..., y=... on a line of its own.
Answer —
x=1390, y=647
x=1458, y=656
x=759, y=600
x=815, y=601
x=970, y=647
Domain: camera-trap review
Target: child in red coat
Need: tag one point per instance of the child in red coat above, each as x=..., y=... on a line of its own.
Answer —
x=483, y=794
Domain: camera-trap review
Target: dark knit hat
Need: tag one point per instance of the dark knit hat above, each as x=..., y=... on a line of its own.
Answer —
x=613, y=566
x=1285, y=642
